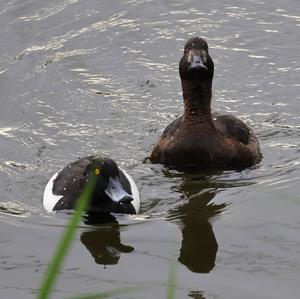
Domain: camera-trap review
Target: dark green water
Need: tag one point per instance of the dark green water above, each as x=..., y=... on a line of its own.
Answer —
x=83, y=77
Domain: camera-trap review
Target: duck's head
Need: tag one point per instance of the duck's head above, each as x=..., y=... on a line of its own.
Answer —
x=196, y=64
x=115, y=191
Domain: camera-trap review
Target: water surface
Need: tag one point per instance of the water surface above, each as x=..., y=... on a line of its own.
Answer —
x=84, y=77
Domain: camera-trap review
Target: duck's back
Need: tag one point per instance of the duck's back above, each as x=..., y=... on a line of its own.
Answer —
x=225, y=143
x=232, y=127
x=228, y=125
x=171, y=129
x=70, y=179
x=65, y=186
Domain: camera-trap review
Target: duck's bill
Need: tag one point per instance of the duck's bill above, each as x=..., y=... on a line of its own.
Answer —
x=197, y=61
x=116, y=192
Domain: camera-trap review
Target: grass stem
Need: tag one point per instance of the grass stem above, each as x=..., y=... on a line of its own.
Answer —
x=65, y=241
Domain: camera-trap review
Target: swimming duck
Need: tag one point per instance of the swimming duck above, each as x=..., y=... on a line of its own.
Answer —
x=115, y=190
x=198, y=138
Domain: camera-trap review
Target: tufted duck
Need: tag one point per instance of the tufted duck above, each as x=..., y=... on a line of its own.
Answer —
x=198, y=138
x=115, y=190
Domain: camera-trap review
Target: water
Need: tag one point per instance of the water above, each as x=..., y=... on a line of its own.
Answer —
x=83, y=77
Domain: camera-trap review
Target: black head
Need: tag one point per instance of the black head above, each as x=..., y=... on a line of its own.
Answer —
x=111, y=192
x=103, y=168
x=196, y=64
x=107, y=167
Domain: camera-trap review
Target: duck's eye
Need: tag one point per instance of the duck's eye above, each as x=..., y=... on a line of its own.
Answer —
x=97, y=171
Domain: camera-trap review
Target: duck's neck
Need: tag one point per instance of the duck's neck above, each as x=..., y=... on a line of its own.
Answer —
x=197, y=101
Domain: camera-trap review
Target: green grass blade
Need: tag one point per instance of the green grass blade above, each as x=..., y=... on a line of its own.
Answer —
x=171, y=282
x=65, y=241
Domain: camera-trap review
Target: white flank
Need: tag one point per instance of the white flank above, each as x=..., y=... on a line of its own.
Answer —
x=50, y=199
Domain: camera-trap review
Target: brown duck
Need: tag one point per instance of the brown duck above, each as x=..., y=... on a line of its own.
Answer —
x=198, y=138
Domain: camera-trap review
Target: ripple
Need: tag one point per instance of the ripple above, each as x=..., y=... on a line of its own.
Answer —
x=48, y=12
x=15, y=209
x=58, y=42
x=5, y=131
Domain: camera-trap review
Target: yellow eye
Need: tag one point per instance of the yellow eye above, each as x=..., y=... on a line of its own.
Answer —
x=97, y=171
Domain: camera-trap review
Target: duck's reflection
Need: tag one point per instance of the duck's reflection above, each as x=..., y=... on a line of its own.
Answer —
x=196, y=295
x=199, y=245
x=104, y=242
